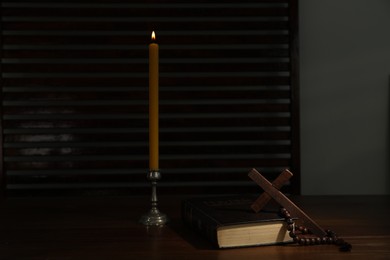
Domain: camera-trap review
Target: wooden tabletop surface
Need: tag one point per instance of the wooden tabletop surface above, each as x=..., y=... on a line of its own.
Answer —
x=108, y=228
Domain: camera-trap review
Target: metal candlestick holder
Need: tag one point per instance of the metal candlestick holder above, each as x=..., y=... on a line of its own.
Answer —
x=154, y=217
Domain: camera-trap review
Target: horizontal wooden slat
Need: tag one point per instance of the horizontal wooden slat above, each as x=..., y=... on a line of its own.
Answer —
x=114, y=39
x=133, y=149
x=69, y=55
x=173, y=108
x=141, y=27
x=179, y=161
x=191, y=122
x=188, y=81
x=143, y=95
x=142, y=67
x=125, y=179
x=133, y=11
x=39, y=139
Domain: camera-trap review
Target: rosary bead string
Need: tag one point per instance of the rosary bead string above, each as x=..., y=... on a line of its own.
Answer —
x=303, y=236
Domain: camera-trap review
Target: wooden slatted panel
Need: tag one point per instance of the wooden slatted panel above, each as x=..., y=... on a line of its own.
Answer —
x=74, y=88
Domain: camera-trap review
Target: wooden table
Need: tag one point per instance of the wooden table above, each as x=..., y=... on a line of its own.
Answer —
x=107, y=228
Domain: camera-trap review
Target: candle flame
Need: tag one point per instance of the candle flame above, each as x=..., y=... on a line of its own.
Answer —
x=153, y=36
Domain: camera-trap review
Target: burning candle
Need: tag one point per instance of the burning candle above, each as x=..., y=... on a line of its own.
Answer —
x=153, y=104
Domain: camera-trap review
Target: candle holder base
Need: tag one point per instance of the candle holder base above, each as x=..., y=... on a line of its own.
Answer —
x=154, y=218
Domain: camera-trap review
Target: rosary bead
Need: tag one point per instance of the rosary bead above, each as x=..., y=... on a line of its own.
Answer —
x=346, y=247
x=330, y=240
x=331, y=233
x=301, y=228
x=290, y=221
x=302, y=241
x=290, y=227
x=318, y=240
x=305, y=231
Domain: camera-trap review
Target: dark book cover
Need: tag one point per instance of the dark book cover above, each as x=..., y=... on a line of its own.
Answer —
x=209, y=215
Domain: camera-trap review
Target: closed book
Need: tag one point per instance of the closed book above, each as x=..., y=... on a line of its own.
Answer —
x=229, y=221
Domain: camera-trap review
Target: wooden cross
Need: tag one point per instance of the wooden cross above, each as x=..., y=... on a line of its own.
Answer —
x=271, y=189
x=264, y=198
